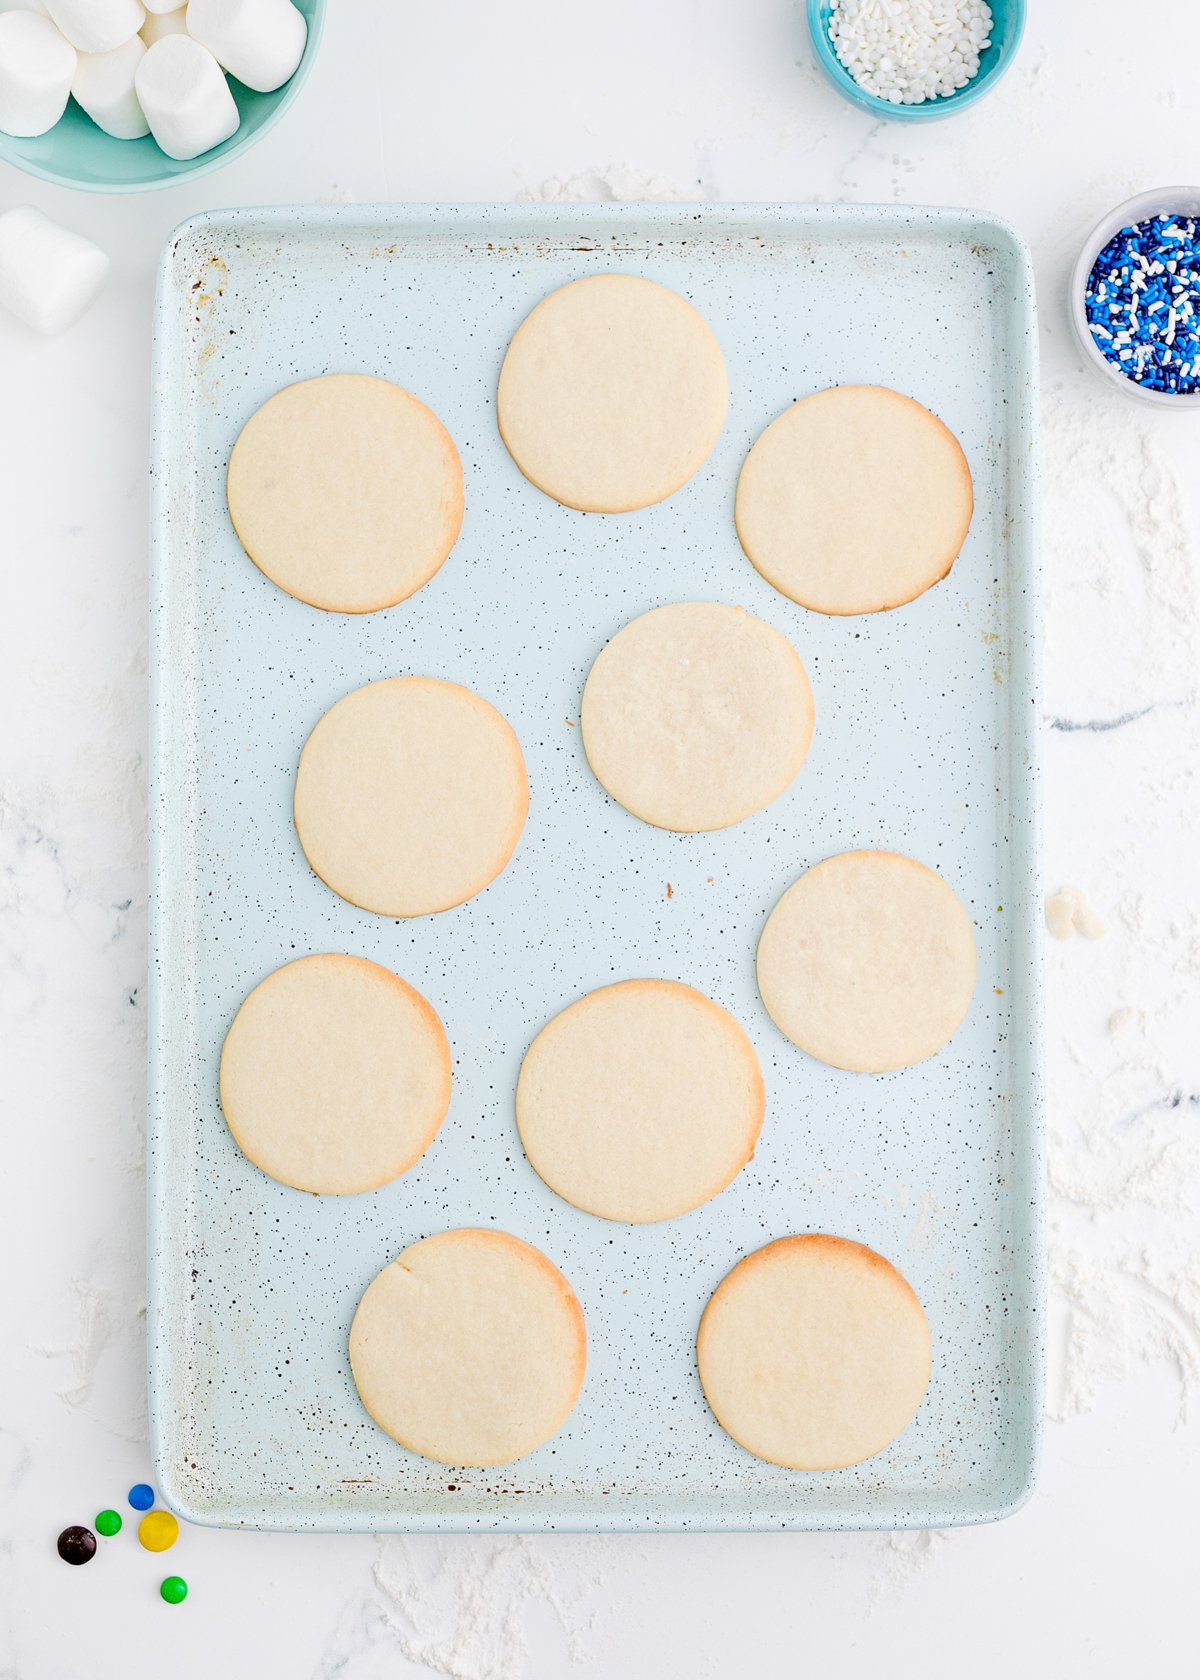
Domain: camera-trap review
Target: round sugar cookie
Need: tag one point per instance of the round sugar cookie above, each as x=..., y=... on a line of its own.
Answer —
x=695, y=716
x=640, y=1101
x=868, y=962
x=854, y=500
x=335, y=1075
x=814, y=1353
x=470, y=1348
x=612, y=393
x=410, y=796
x=346, y=491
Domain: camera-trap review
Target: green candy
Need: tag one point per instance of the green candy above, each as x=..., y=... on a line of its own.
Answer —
x=174, y=1589
x=108, y=1523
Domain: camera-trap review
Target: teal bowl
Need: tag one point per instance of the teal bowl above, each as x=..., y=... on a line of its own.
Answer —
x=1008, y=25
x=75, y=153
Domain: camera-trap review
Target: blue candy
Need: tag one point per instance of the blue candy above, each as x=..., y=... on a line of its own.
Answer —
x=141, y=1496
x=1143, y=303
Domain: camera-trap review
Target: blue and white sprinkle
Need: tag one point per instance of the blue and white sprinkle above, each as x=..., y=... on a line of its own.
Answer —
x=1143, y=303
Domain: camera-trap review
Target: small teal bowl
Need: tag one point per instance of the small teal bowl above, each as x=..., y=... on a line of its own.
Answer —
x=1008, y=25
x=75, y=153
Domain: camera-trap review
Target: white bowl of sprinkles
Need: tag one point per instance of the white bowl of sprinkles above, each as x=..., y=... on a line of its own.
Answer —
x=1138, y=317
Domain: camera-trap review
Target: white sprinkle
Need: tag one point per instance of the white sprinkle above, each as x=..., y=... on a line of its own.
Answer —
x=908, y=51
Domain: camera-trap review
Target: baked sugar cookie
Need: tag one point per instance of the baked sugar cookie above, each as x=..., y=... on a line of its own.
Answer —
x=854, y=500
x=612, y=393
x=695, y=716
x=814, y=1353
x=640, y=1101
x=410, y=796
x=868, y=962
x=346, y=491
x=469, y=1348
x=335, y=1075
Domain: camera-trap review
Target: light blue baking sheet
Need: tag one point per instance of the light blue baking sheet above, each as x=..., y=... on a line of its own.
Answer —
x=925, y=743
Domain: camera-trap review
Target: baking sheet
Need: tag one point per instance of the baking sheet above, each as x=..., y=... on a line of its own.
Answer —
x=925, y=743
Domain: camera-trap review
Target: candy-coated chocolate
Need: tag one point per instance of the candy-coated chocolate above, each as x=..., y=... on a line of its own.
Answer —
x=158, y=1530
x=108, y=1523
x=174, y=1589
x=141, y=1496
x=77, y=1545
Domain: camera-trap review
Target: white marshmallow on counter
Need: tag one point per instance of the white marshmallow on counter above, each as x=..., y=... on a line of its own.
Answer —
x=96, y=26
x=185, y=97
x=36, y=66
x=259, y=41
x=48, y=275
x=103, y=85
x=158, y=24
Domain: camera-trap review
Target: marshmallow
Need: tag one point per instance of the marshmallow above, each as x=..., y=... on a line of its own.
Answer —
x=158, y=24
x=48, y=275
x=185, y=97
x=96, y=26
x=259, y=41
x=36, y=66
x=103, y=85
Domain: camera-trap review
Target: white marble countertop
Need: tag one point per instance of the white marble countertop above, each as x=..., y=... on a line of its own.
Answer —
x=696, y=98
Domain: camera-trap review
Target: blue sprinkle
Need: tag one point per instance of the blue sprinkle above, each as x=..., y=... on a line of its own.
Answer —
x=1143, y=303
x=141, y=1496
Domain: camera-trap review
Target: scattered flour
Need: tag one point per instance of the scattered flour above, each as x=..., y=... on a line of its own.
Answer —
x=618, y=183
x=81, y=1354
x=459, y=1605
x=1119, y=573
x=1131, y=1311
x=1123, y=1070
x=905, y=1556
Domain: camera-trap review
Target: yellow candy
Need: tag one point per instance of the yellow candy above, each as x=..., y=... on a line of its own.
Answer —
x=158, y=1530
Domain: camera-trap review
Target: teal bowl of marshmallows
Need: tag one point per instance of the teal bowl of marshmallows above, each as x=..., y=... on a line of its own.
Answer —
x=915, y=60
x=76, y=152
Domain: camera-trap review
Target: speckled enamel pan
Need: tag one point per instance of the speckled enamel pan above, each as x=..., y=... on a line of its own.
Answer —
x=925, y=744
